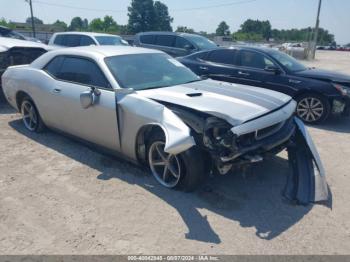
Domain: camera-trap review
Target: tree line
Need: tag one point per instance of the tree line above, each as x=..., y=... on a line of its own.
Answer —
x=150, y=15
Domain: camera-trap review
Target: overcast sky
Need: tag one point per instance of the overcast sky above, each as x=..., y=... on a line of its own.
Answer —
x=202, y=15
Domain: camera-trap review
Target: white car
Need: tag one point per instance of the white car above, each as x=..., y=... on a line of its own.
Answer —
x=75, y=39
x=149, y=108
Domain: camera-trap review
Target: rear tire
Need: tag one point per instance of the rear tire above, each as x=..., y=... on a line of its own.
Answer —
x=31, y=117
x=184, y=171
x=312, y=108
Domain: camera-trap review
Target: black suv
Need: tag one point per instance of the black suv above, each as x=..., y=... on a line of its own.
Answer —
x=318, y=92
x=174, y=44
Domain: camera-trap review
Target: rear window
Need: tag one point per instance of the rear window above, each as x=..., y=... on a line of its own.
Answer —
x=147, y=39
x=165, y=40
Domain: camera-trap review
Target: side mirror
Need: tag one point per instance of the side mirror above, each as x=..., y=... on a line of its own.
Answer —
x=273, y=69
x=87, y=99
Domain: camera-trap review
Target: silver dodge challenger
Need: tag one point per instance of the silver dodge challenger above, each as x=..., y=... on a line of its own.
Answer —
x=143, y=105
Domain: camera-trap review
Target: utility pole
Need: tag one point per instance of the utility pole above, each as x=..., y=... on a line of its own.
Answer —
x=314, y=44
x=32, y=16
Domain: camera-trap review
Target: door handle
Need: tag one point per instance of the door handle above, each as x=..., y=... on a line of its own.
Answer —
x=243, y=73
x=203, y=68
x=57, y=90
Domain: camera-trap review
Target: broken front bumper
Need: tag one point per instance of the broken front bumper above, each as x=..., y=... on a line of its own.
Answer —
x=306, y=182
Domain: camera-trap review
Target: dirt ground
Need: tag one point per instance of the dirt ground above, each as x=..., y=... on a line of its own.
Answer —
x=58, y=196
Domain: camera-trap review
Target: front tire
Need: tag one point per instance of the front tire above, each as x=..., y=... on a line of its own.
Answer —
x=184, y=171
x=312, y=108
x=30, y=116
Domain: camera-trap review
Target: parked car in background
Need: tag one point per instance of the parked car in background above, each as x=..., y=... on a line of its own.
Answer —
x=174, y=44
x=18, y=52
x=74, y=39
x=146, y=106
x=317, y=92
x=8, y=32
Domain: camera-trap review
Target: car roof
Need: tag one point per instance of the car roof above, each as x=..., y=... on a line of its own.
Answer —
x=243, y=47
x=167, y=33
x=84, y=33
x=93, y=52
x=7, y=43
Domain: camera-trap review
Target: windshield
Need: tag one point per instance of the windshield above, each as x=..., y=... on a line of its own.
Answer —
x=146, y=71
x=110, y=40
x=289, y=62
x=201, y=42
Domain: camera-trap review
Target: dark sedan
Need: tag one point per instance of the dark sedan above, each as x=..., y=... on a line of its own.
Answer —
x=319, y=93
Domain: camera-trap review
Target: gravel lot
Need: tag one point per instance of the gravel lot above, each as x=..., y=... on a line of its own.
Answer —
x=58, y=196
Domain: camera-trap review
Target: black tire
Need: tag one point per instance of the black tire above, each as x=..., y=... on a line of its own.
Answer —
x=39, y=125
x=312, y=108
x=192, y=171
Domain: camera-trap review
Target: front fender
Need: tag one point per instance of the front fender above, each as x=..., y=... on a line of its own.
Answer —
x=136, y=112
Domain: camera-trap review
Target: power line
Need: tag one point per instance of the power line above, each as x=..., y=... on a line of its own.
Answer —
x=122, y=11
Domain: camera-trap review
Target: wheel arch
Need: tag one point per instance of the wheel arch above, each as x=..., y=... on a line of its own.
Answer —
x=142, y=137
x=20, y=95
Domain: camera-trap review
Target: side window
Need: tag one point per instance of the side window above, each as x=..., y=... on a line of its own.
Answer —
x=183, y=43
x=82, y=71
x=165, y=40
x=222, y=56
x=254, y=60
x=86, y=41
x=72, y=40
x=147, y=39
x=59, y=40
x=54, y=66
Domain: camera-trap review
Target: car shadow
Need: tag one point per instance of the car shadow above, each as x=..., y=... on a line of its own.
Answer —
x=335, y=124
x=5, y=107
x=253, y=198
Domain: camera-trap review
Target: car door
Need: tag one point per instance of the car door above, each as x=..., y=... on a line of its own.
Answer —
x=257, y=69
x=219, y=64
x=97, y=123
x=251, y=69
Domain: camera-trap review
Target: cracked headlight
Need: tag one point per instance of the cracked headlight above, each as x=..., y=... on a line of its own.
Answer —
x=344, y=90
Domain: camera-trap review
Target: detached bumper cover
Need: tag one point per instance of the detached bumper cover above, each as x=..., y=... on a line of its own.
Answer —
x=306, y=182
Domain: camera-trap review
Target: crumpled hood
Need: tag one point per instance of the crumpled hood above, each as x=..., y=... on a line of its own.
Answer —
x=326, y=75
x=234, y=103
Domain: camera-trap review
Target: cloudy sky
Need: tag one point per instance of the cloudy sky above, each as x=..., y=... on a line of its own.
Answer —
x=202, y=15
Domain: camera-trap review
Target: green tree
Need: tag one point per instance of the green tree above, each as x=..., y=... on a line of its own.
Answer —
x=77, y=24
x=3, y=22
x=60, y=24
x=141, y=16
x=162, y=18
x=223, y=29
x=257, y=27
x=37, y=21
x=109, y=24
x=96, y=25
x=185, y=29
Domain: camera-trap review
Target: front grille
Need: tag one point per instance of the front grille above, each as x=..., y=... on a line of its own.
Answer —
x=267, y=131
x=260, y=134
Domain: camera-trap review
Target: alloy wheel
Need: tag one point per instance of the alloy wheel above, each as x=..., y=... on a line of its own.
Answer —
x=310, y=109
x=29, y=115
x=165, y=167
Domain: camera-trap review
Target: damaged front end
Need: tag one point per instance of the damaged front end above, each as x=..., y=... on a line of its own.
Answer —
x=251, y=142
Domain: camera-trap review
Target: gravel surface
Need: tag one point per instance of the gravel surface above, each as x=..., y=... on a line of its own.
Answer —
x=58, y=196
